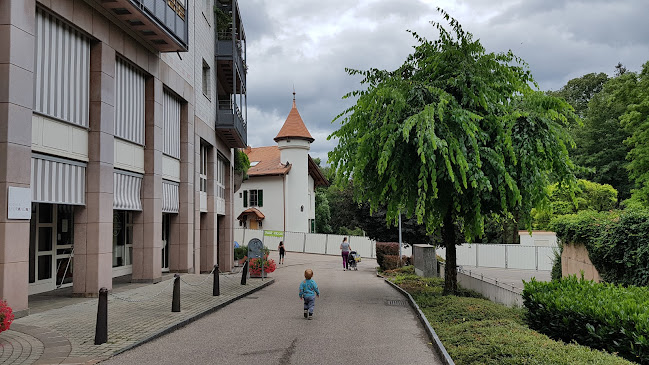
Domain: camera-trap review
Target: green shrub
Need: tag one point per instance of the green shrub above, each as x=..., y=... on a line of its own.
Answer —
x=384, y=249
x=556, y=272
x=240, y=252
x=617, y=242
x=602, y=316
x=477, y=331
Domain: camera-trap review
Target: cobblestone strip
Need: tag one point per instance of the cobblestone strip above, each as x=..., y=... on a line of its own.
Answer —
x=17, y=347
x=132, y=323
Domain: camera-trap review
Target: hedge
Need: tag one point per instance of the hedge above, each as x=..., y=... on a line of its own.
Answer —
x=602, y=316
x=387, y=255
x=617, y=243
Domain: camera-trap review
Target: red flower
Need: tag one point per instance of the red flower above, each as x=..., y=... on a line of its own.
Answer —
x=6, y=316
x=255, y=265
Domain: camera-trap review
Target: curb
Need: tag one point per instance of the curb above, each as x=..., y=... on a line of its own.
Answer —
x=437, y=343
x=187, y=321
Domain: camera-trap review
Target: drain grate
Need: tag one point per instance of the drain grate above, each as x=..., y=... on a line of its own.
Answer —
x=396, y=302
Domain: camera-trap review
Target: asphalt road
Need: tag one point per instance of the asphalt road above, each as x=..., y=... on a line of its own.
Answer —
x=359, y=319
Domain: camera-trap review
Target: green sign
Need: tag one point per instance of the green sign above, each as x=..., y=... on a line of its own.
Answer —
x=274, y=233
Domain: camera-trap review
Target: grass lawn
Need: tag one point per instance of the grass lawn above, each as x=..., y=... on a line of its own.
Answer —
x=477, y=331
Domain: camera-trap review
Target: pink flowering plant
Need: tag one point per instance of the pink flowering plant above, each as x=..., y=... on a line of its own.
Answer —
x=6, y=316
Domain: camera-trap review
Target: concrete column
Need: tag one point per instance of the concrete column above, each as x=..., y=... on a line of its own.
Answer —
x=93, y=244
x=181, y=235
x=147, y=253
x=16, y=101
x=208, y=224
x=226, y=224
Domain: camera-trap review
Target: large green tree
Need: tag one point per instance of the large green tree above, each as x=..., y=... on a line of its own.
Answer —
x=600, y=143
x=636, y=123
x=453, y=135
x=578, y=91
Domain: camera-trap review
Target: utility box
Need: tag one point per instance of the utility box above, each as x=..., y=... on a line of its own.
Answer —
x=425, y=260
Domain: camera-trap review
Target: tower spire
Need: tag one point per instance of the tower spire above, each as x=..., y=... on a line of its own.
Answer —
x=294, y=96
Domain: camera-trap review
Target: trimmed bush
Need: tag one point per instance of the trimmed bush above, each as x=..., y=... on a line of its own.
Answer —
x=477, y=331
x=602, y=316
x=384, y=249
x=240, y=252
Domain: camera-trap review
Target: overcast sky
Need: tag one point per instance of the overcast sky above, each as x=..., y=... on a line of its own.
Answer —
x=309, y=43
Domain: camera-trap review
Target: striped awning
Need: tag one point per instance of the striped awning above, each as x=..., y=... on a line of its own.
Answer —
x=58, y=181
x=170, y=202
x=126, y=190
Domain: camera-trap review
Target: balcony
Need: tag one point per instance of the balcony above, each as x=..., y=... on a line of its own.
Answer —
x=160, y=23
x=231, y=124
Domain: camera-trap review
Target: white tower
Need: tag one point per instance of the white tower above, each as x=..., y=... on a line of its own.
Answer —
x=294, y=142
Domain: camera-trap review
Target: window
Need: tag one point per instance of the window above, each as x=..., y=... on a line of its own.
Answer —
x=203, y=171
x=256, y=198
x=206, y=80
x=220, y=177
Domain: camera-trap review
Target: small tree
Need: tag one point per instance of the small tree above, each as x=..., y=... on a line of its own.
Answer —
x=453, y=135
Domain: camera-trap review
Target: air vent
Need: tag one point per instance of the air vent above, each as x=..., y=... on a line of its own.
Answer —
x=148, y=32
x=135, y=23
x=159, y=41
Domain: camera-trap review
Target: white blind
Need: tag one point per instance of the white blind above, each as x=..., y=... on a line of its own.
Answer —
x=130, y=86
x=171, y=116
x=62, y=70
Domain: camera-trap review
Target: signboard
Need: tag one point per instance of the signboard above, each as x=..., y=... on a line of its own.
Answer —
x=274, y=233
x=255, y=249
x=19, y=204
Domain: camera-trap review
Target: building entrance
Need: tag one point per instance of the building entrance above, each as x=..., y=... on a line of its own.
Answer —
x=51, y=247
x=165, y=241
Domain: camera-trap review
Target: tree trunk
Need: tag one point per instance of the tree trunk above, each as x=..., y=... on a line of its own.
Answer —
x=450, y=269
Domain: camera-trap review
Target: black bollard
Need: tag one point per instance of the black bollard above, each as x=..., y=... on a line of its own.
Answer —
x=216, y=287
x=101, y=328
x=175, y=301
x=244, y=274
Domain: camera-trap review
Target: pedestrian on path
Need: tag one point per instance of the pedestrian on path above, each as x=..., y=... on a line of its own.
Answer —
x=282, y=251
x=308, y=292
x=345, y=248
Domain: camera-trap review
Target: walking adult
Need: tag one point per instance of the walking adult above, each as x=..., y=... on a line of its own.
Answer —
x=344, y=249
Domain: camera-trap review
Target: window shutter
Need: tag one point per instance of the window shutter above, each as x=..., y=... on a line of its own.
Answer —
x=260, y=197
x=245, y=198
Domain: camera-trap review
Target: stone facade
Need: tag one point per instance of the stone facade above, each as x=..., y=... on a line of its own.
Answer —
x=196, y=240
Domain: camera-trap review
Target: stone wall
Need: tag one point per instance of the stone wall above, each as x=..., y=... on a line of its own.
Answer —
x=424, y=260
x=574, y=260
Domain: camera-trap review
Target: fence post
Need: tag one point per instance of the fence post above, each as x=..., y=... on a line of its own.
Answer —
x=175, y=300
x=263, y=237
x=243, y=240
x=101, y=327
x=304, y=244
x=477, y=252
x=536, y=257
x=216, y=287
x=244, y=272
x=506, y=258
x=326, y=242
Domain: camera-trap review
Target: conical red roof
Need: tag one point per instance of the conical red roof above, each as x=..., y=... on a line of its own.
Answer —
x=294, y=127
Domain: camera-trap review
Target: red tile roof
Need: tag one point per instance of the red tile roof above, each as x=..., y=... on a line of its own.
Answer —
x=251, y=211
x=294, y=127
x=268, y=161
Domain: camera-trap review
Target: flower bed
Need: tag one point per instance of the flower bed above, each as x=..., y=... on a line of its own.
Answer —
x=256, y=266
x=6, y=316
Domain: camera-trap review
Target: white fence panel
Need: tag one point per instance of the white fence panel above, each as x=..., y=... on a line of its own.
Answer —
x=238, y=235
x=362, y=245
x=545, y=257
x=465, y=254
x=250, y=234
x=491, y=255
x=521, y=257
x=333, y=244
x=315, y=243
x=271, y=241
x=294, y=241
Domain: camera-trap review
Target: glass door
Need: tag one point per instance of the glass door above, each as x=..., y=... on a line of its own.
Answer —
x=122, y=242
x=64, y=245
x=41, y=248
x=165, y=242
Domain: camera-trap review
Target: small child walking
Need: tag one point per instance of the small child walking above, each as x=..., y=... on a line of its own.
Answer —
x=308, y=292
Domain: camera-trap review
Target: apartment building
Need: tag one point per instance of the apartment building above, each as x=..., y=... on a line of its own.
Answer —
x=118, y=124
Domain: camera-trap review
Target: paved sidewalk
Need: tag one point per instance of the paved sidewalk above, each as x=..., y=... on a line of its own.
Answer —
x=61, y=330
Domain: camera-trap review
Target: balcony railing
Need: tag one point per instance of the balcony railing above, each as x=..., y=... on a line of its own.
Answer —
x=231, y=124
x=161, y=23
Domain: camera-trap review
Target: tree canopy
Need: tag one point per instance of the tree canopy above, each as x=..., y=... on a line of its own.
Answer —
x=453, y=135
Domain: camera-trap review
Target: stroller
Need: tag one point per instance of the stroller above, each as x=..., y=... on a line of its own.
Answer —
x=352, y=259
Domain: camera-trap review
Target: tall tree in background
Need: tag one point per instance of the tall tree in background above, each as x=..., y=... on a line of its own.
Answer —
x=600, y=143
x=453, y=135
x=636, y=123
x=578, y=91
